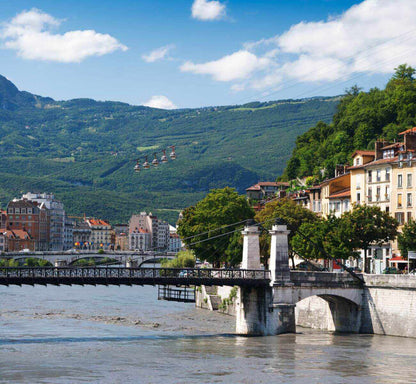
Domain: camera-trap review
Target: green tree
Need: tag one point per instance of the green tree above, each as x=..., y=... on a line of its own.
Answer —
x=367, y=225
x=329, y=238
x=203, y=224
x=184, y=259
x=293, y=214
x=407, y=238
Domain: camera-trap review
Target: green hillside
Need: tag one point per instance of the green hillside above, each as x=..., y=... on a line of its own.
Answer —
x=85, y=151
x=361, y=118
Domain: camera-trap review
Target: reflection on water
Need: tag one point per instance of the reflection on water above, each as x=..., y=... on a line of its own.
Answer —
x=124, y=335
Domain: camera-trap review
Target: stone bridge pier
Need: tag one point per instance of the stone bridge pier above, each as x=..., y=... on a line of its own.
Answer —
x=270, y=310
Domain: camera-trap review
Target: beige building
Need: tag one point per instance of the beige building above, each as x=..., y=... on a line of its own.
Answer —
x=335, y=195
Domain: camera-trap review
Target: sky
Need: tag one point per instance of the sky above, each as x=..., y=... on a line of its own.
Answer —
x=194, y=53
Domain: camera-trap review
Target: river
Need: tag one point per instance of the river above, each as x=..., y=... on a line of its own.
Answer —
x=125, y=335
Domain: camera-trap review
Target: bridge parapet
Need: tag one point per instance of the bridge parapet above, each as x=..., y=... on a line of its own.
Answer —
x=323, y=279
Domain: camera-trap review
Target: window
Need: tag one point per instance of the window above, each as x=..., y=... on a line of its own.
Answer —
x=17, y=210
x=10, y=210
x=409, y=216
x=387, y=193
x=399, y=200
x=358, y=185
x=346, y=205
x=387, y=174
x=370, y=195
x=378, y=193
x=399, y=217
x=358, y=197
x=409, y=180
x=387, y=209
x=370, y=176
x=409, y=199
x=29, y=210
x=399, y=181
x=378, y=177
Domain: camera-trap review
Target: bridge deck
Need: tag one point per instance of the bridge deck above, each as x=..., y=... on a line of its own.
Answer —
x=132, y=276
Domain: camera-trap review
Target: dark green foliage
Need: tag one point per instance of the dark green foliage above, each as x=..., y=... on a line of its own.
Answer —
x=212, y=217
x=361, y=118
x=85, y=151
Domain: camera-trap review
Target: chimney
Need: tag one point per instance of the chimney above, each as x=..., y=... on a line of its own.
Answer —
x=378, y=145
x=409, y=141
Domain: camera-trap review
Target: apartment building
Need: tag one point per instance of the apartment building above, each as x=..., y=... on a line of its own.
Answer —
x=335, y=195
x=140, y=240
x=102, y=236
x=31, y=217
x=157, y=229
x=56, y=218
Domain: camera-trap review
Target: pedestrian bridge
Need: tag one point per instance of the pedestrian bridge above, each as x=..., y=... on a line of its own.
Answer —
x=132, y=276
x=125, y=258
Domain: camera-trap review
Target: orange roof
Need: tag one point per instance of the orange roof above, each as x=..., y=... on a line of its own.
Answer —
x=254, y=188
x=411, y=130
x=16, y=233
x=363, y=153
x=394, y=145
x=344, y=193
x=95, y=222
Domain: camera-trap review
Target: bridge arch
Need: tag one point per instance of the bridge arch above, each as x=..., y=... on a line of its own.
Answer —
x=340, y=312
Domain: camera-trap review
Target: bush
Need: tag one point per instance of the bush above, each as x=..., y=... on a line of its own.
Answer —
x=184, y=259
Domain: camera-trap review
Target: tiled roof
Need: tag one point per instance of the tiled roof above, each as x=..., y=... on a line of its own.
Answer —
x=272, y=183
x=411, y=130
x=344, y=193
x=95, y=222
x=363, y=153
x=254, y=188
x=394, y=145
x=15, y=234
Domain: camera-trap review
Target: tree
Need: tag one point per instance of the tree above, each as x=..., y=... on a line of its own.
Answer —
x=184, y=259
x=369, y=225
x=293, y=214
x=407, y=238
x=217, y=214
x=404, y=72
x=324, y=239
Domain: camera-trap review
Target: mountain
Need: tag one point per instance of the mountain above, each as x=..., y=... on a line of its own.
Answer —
x=361, y=118
x=84, y=150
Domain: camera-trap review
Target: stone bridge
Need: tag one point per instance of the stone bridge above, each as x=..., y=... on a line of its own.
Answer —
x=59, y=259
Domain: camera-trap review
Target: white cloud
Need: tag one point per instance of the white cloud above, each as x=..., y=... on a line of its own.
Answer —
x=239, y=65
x=158, y=54
x=208, y=10
x=161, y=102
x=30, y=33
x=373, y=36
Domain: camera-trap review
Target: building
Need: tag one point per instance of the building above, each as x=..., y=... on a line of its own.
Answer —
x=140, y=240
x=68, y=233
x=122, y=241
x=265, y=189
x=175, y=243
x=16, y=240
x=31, y=217
x=335, y=195
x=102, y=236
x=157, y=229
x=56, y=218
x=81, y=233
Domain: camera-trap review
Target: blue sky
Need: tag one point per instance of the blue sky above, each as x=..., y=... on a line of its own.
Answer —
x=191, y=53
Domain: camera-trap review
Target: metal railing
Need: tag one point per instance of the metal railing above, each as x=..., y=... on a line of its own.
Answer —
x=185, y=274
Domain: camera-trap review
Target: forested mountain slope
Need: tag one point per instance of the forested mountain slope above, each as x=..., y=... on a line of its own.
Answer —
x=361, y=118
x=85, y=151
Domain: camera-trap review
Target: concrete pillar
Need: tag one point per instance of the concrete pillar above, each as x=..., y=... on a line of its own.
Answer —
x=258, y=315
x=279, y=255
x=251, y=248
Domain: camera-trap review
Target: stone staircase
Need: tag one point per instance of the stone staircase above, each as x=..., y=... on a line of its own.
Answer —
x=214, y=301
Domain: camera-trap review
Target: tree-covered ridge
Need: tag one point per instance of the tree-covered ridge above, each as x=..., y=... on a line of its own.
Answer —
x=85, y=151
x=361, y=118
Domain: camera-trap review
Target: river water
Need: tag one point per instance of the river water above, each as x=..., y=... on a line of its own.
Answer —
x=125, y=335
